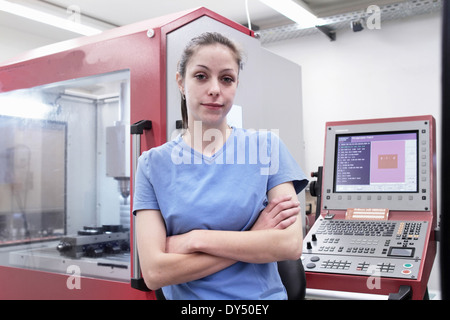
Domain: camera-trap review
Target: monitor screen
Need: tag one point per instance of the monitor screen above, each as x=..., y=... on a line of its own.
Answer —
x=376, y=162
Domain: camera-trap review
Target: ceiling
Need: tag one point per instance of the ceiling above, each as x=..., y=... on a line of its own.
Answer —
x=107, y=14
x=327, y=8
x=122, y=12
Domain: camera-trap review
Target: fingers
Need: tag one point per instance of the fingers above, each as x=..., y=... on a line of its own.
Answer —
x=280, y=207
x=286, y=223
x=286, y=216
x=280, y=213
x=274, y=202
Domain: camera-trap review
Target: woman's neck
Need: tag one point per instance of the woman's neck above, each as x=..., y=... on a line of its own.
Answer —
x=205, y=139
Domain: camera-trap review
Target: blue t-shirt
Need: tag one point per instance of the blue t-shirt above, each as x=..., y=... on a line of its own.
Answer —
x=226, y=191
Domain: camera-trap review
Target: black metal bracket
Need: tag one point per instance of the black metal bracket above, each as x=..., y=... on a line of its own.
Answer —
x=315, y=189
x=404, y=293
x=140, y=126
x=437, y=234
x=139, y=284
x=329, y=32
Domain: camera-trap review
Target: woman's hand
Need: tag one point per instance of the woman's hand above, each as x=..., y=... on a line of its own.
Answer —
x=280, y=213
x=179, y=243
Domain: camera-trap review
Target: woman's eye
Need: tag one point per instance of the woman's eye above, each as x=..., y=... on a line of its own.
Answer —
x=228, y=79
x=200, y=76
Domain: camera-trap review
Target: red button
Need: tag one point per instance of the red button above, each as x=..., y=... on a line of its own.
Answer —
x=406, y=271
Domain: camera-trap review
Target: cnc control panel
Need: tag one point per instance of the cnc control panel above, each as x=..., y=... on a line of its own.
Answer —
x=383, y=248
x=377, y=207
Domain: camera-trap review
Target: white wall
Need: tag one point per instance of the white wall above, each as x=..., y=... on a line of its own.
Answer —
x=394, y=71
x=391, y=72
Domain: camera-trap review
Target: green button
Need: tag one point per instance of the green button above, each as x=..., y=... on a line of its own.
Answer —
x=407, y=265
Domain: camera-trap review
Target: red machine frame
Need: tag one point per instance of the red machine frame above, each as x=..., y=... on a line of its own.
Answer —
x=350, y=283
x=130, y=48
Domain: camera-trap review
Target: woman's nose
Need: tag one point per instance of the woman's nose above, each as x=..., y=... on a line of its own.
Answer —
x=214, y=88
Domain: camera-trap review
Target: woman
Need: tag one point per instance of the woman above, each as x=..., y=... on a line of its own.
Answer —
x=216, y=207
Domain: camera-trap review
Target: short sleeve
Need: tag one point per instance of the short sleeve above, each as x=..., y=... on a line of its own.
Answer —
x=144, y=194
x=283, y=167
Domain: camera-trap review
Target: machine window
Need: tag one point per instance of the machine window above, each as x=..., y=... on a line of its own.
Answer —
x=65, y=176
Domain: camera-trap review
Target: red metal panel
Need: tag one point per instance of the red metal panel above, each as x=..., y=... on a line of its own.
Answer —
x=25, y=284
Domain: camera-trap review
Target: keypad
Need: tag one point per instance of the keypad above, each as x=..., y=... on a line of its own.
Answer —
x=380, y=267
x=365, y=248
x=336, y=264
x=408, y=231
x=356, y=228
x=385, y=267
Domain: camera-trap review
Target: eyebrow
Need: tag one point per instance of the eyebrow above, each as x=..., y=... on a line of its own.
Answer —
x=224, y=70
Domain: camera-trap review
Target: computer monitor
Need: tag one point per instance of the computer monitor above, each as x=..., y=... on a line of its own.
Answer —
x=376, y=162
x=383, y=163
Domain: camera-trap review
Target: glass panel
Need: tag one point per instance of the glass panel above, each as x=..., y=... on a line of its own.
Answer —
x=65, y=177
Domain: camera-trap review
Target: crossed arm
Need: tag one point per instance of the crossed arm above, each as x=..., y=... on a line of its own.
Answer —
x=275, y=236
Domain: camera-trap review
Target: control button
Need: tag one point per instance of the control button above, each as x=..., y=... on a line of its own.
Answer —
x=313, y=237
x=313, y=265
x=408, y=265
x=308, y=245
x=315, y=259
x=406, y=271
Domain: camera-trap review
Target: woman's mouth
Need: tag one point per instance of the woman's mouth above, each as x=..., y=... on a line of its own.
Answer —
x=213, y=106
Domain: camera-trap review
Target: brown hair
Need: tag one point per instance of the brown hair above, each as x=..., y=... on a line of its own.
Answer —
x=207, y=38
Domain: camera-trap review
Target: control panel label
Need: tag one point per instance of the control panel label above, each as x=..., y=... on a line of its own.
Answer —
x=366, y=214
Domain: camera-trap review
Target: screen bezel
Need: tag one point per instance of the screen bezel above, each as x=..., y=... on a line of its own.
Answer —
x=378, y=133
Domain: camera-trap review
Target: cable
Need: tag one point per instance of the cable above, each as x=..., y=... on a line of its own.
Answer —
x=248, y=15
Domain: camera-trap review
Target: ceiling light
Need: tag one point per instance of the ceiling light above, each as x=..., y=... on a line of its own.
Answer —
x=294, y=11
x=46, y=18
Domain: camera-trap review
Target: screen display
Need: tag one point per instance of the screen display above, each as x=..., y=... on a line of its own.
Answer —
x=376, y=162
x=401, y=252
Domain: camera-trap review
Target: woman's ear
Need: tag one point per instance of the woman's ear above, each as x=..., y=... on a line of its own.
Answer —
x=180, y=83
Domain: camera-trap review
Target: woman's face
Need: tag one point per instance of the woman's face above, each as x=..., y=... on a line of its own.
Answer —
x=210, y=85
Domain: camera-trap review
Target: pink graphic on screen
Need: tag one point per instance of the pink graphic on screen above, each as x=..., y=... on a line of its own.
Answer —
x=387, y=163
